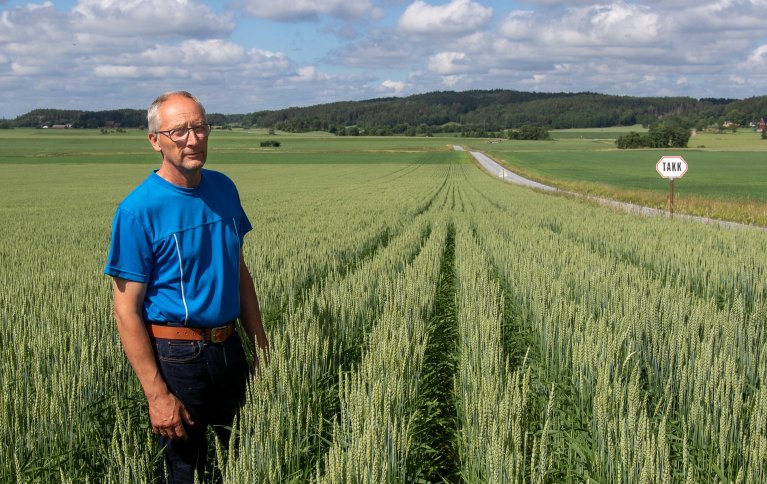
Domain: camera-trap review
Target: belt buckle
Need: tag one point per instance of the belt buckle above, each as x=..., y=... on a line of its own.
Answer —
x=218, y=335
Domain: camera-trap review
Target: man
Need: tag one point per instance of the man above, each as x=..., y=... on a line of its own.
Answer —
x=180, y=282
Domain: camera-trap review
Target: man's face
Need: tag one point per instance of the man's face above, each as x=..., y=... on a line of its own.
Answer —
x=180, y=112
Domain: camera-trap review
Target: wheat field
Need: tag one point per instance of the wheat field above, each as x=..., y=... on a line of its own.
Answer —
x=428, y=323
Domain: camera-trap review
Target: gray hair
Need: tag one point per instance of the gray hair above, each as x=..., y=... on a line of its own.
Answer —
x=153, y=113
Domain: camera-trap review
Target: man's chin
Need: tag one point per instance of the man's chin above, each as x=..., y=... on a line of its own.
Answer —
x=194, y=163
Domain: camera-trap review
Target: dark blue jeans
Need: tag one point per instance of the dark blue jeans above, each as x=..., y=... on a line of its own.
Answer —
x=210, y=379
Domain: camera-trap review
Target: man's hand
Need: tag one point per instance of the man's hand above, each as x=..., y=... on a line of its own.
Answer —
x=168, y=416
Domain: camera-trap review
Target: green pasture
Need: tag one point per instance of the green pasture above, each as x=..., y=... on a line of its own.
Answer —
x=743, y=139
x=72, y=146
x=711, y=174
x=27, y=146
x=723, y=166
x=603, y=139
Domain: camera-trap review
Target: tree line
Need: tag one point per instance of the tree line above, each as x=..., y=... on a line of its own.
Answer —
x=470, y=113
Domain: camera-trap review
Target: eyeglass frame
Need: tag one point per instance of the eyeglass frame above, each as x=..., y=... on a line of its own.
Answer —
x=169, y=132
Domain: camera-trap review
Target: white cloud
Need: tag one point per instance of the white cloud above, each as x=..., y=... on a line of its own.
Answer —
x=476, y=42
x=624, y=24
x=446, y=62
x=160, y=18
x=396, y=87
x=24, y=69
x=123, y=72
x=309, y=74
x=380, y=49
x=622, y=34
x=611, y=25
x=615, y=47
x=757, y=60
x=26, y=23
x=735, y=79
x=107, y=53
x=208, y=52
x=518, y=25
x=557, y=3
x=299, y=10
x=209, y=59
x=451, y=81
x=456, y=17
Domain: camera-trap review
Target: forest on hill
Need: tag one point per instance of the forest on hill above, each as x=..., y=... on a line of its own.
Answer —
x=476, y=112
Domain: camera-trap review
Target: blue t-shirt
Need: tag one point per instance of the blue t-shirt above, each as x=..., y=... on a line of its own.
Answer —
x=184, y=243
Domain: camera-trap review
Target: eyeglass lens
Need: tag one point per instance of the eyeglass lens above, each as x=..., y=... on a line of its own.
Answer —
x=180, y=134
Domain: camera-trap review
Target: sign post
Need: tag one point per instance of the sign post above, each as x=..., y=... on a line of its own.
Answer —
x=671, y=167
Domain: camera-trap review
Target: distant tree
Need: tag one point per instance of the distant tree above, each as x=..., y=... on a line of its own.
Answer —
x=629, y=141
x=528, y=132
x=658, y=136
x=399, y=128
x=671, y=137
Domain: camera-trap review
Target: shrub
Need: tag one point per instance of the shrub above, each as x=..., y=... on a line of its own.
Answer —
x=528, y=132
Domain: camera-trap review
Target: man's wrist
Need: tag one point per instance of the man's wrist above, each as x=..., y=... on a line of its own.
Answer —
x=156, y=391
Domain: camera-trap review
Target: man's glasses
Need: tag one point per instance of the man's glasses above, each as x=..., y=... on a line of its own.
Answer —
x=180, y=135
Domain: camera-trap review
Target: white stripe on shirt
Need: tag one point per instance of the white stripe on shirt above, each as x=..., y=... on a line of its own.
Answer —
x=181, y=270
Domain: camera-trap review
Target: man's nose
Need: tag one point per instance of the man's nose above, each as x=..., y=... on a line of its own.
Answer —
x=189, y=134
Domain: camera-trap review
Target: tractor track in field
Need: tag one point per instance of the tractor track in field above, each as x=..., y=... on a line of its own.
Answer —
x=494, y=168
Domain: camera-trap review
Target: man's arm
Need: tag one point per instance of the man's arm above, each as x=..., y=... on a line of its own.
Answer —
x=250, y=314
x=166, y=412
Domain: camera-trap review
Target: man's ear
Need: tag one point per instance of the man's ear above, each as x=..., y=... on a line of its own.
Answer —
x=154, y=140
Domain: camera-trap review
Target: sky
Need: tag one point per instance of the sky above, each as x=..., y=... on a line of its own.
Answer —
x=241, y=56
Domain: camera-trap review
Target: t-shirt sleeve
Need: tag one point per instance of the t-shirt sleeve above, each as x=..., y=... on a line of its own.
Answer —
x=244, y=223
x=245, y=226
x=130, y=252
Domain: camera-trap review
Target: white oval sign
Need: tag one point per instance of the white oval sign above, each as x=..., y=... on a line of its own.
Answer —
x=671, y=167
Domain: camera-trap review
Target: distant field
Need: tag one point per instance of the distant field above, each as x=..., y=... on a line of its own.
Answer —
x=711, y=174
x=236, y=146
x=596, y=133
x=727, y=176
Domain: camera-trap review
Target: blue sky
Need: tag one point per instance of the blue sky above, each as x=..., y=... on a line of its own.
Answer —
x=240, y=56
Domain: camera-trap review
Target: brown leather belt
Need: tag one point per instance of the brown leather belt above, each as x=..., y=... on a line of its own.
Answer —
x=214, y=335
